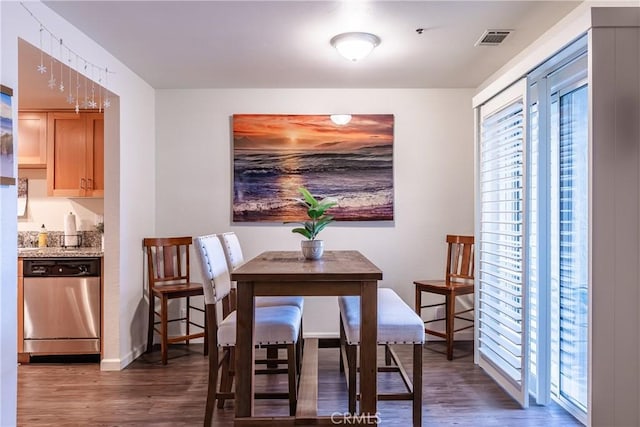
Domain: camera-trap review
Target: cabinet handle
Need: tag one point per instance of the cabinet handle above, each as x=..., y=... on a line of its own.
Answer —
x=89, y=184
x=82, y=183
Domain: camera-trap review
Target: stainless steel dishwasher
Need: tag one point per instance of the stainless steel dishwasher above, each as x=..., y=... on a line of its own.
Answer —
x=62, y=306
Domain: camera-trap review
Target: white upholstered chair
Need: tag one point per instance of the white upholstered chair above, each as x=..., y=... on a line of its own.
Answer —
x=397, y=324
x=273, y=325
x=235, y=258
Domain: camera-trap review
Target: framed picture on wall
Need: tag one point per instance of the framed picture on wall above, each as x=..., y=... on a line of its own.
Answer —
x=6, y=137
x=275, y=154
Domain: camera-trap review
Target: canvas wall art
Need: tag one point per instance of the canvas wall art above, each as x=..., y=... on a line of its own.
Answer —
x=6, y=137
x=274, y=155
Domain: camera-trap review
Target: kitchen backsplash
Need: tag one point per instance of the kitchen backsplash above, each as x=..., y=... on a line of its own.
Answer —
x=52, y=211
x=88, y=239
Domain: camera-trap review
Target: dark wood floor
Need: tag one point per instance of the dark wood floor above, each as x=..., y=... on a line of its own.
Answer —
x=147, y=393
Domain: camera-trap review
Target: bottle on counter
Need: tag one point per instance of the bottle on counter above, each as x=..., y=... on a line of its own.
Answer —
x=42, y=237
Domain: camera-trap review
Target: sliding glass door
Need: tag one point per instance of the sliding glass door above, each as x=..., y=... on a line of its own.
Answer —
x=532, y=236
x=568, y=243
x=558, y=223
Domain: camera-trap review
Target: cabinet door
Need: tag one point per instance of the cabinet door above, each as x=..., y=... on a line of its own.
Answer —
x=67, y=148
x=95, y=154
x=32, y=140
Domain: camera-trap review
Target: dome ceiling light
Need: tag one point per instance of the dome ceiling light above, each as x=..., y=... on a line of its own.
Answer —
x=355, y=45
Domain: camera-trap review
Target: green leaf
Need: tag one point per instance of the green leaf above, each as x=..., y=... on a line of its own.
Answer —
x=307, y=196
x=327, y=203
x=310, y=227
x=302, y=231
x=327, y=219
x=321, y=226
x=315, y=212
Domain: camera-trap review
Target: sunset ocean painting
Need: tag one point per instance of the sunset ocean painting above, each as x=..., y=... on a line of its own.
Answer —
x=6, y=138
x=274, y=155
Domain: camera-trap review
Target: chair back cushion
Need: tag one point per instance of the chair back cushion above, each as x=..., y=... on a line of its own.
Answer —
x=235, y=258
x=232, y=250
x=217, y=284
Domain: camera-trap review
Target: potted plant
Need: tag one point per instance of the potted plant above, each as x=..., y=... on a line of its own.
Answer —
x=313, y=248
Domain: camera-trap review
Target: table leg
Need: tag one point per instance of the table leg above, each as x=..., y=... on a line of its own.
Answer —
x=368, y=347
x=245, y=353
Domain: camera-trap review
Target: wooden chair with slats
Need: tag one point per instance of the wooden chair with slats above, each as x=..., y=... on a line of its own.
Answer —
x=458, y=281
x=169, y=279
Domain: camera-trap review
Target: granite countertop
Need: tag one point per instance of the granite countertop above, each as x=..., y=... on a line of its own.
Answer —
x=59, y=252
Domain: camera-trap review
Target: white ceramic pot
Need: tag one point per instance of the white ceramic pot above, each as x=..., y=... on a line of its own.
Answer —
x=312, y=249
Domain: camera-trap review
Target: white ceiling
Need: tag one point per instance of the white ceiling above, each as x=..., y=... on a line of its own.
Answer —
x=285, y=44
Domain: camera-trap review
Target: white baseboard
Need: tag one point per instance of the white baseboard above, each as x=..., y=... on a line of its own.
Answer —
x=120, y=364
x=110, y=365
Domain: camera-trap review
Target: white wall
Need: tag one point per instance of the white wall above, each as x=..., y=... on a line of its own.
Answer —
x=129, y=200
x=433, y=177
x=8, y=292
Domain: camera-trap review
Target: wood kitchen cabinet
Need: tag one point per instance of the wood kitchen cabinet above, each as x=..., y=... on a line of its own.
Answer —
x=75, y=160
x=32, y=143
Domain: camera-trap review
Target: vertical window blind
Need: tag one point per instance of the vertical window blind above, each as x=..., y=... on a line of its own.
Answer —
x=533, y=261
x=501, y=242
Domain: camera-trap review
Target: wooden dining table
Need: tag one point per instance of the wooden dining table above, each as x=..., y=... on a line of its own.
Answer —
x=281, y=273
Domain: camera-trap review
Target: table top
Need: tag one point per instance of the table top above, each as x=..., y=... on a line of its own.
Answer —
x=292, y=266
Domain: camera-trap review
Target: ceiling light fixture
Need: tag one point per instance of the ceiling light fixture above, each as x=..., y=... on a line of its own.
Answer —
x=341, y=119
x=355, y=46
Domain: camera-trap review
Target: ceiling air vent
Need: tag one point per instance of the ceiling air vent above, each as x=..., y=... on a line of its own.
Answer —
x=493, y=37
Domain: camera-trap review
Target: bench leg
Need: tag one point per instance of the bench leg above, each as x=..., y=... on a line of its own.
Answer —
x=387, y=355
x=352, y=355
x=299, y=349
x=417, y=384
x=342, y=344
x=351, y=352
x=293, y=383
x=272, y=353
